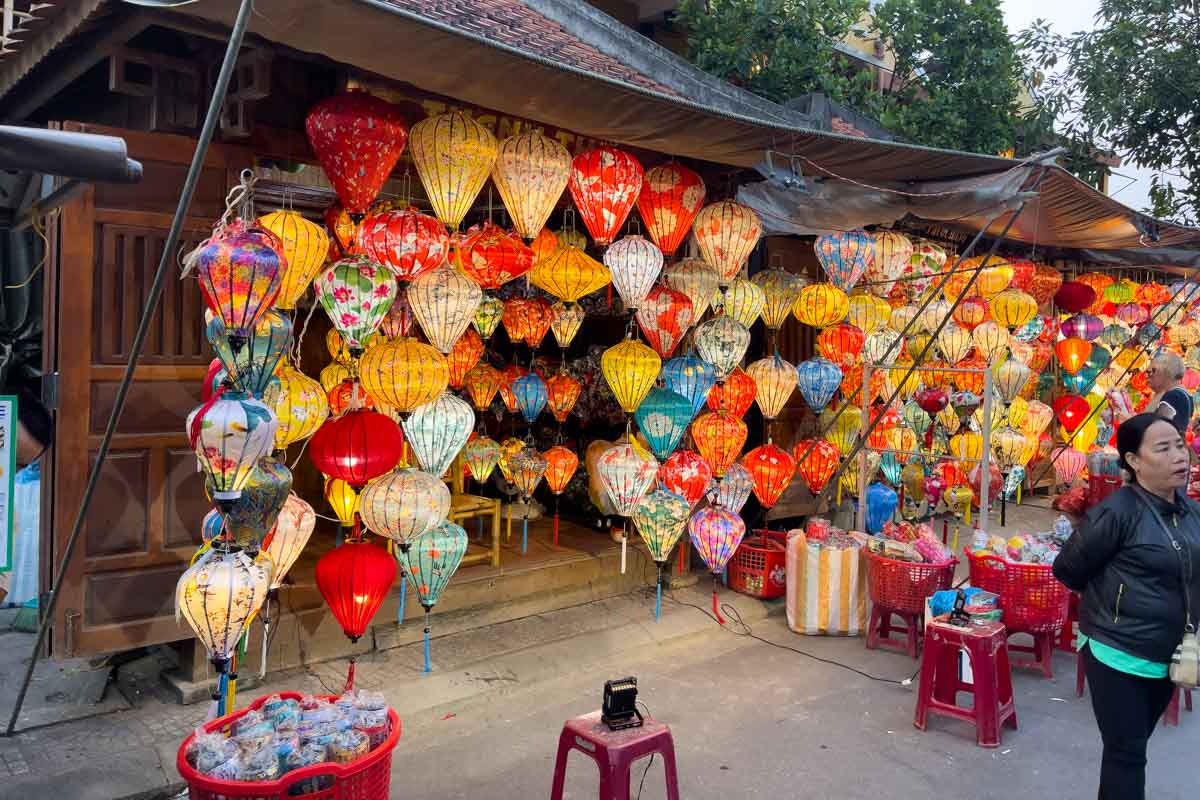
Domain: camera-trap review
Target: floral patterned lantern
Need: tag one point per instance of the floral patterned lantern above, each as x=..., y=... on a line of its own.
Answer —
x=744, y=301
x=305, y=247
x=630, y=369
x=845, y=257
x=356, y=447
x=626, y=474
x=293, y=528
x=407, y=242
x=663, y=418
x=696, y=279
x=562, y=392
x=735, y=394
x=300, y=409
x=566, y=322
x=971, y=311
x=772, y=468
x=561, y=464
x=691, y=377
x=892, y=254
x=670, y=198
x=519, y=315
x=716, y=534
x=868, y=313
x=635, y=263
x=841, y=344
x=734, y=489
x=229, y=434
x=719, y=437
x=727, y=233
x=438, y=430
x=358, y=138
x=1013, y=308
x=344, y=232
x=454, y=155
x=252, y=368
x=240, y=270
x=816, y=461
x=488, y=316
x=356, y=294
x=491, y=257
x=531, y=172
x=925, y=262
x=404, y=505
x=775, y=379
x=429, y=564
x=218, y=595
x=404, y=373
x=821, y=305
x=781, y=290
x=1045, y=284
x=664, y=317
x=661, y=518
x=687, y=474
x=398, y=322
x=481, y=456
x=531, y=395
x=252, y=516
x=722, y=342
x=444, y=301
x=570, y=274
x=605, y=184
x=508, y=375
x=463, y=357
x=527, y=468
x=818, y=379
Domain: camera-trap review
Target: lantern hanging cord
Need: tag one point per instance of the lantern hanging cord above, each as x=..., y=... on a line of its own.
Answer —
x=237, y=202
x=296, y=349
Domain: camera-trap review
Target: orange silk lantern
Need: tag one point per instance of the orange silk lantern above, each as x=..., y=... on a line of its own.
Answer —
x=568, y=318
x=562, y=394
x=735, y=394
x=544, y=244
x=664, y=317
x=493, y=258
x=816, y=467
x=1045, y=284
x=482, y=382
x=719, y=437
x=670, y=198
x=841, y=344
x=349, y=394
x=343, y=239
x=541, y=317
x=772, y=469
x=464, y=356
x=970, y=312
x=1073, y=353
x=509, y=374
x=561, y=464
x=605, y=184
x=727, y=233
x=517, y=318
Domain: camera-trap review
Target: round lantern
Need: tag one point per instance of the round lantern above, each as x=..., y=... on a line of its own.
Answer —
x=354, y=579
x=404, y=505
x=663, y=418
x=991, y=340
x=878, y=347
x=404, y=373
x=492, y=258
x=687, y=474
x=562, y=392
x=735, y=394
x=531, y=395
x=722, y=342
x=218, y=595
x=691, y=377
x=444, y=301
x=1010, y=377
x=358, y=138
x=1072, y=353
x=569, y=274
x=868, y=313
x=630, y=369
x=626, y=475
x=955, y=343
x=816, y=461
x=438, y=430
x=407, y=242
x=454, y=155
x=463, y=357
x=664, y=317
x=1008, y=444
x=1132, y=313
x=727, y=233
x=719, y=437
x=971, y=311
x=743, y=301
x=696, y=279
x=635, y=263
x=229, y=434
x=487, y=316
x=1074, y=297
x=356, y=294
x=818, y=379
x=1083, y=326
x=531, y=172
x=305, y=247
x=357, y=446
x=605, y=183
x=331, y=375
x=481, y=456
x=775, y=380
x=841, y=344
x=343, y=499
x=1045, y=284
x=845, y=256
x=240, y=271
x=566, y=322
x=1013, y=308
x=670, y=198
x=481, y=382
x=821, y=305
x=781, y=290
x=772, y=469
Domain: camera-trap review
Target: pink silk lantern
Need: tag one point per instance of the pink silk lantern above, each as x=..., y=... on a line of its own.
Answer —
x=1068, y=464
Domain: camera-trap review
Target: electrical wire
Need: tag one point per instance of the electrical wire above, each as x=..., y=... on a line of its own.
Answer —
x=649, y=763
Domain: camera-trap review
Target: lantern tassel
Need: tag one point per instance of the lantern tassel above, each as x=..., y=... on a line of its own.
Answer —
x=350, y=675
x=525, y=532
x=222, y=686
x=556, y=520
x=682, y=557
x=428, y=666
x=403, y=594
x=1018, y=494
x=1003, y=508
x=716, y=605
x=658, y=593
x=262, y=667
x=624, y=543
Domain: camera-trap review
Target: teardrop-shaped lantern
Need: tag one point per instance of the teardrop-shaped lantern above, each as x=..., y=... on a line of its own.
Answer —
x=527, y=468
x=816, y=461
x=358, y=138
x=663, y=418
x=892, y=252
x=531, y=395
x=630, y=369
x=722, y=342
x=357, y=446
x=531, y=172
x=1068, y=464
x=481, y=455
x=881, y=503
x=541, y=316
x=735, y=394
x=568, y=318
x=404, y=505
x=570, y=274
x=845, y=256
x=218, y=595
x=727, y=233
x=229, y=434
x=240, y=271
x=772, y=469
x=487, y=316
x=775, y=379
x=1072, y=354
x=509, y=374
x=444, y=301
x=454, y=155
x=991, y=340
x=1013, y=308
x=818, y=379
x=437, y=431
x=253, y=366
x=734, y=488
x=691, y=377
x=605, y=184
x=406, y=242
x=670, y=198
x=626, y=475
x=841, y=344
x=305, y=248
x=719, y=438
x=354, y=579
x=562, y=392
x=744, y=301
x=561, y=463
x=432, y=560
x=696, y=279
x=404, y=373
x=687, y=474
x=398, y=322
x=356, y=294
x=463, y=357
x=955, y=343
x=781, y=290
x=481, y=382
x=716, y=534
x=492, y=257
x=664, y=317
x=661, y=518
x=252, y=516
x=1010, y=376
x=293, y=528
x=635, y=263
x=821, y=305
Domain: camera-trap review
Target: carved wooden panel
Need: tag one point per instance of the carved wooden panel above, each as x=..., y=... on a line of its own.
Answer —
x=184, y=503
x=118, y=520
x=127, y=595
x=158, y=407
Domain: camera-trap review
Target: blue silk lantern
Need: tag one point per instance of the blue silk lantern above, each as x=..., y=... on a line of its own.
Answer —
x=1030, y=330
x=1115, y=335
x=429, y=563
x=891, y=468
x=1098, y=359
x=845, y=256
x=531, y=395
x=253, y=367
x=690, y=377
x=1148, y=333
x=819, y=378
x=1081, y=382
x=1012, y=480
x=881, y=505
x=663, y=418
x=1085, y=326
x=253, y=514
x=212, y=526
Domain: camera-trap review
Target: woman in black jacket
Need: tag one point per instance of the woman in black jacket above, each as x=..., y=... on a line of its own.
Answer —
x=1133, y=610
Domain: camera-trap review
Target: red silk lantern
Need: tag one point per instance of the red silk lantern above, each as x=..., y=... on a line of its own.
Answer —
x=772, y=469
x=1023, y=273
x=932, y=401
x=1073, y=353
x=407, y=242
x=348, y=394
x=719, y=437
x=605, y=183
x=971, y=312
x=1045, y=283
x=687, y=474
x=493, y=257
x=541, y=317
x=1074, y=297
x=562, y=393
x=995, y=481
x=735, y=394
x=544, y=244
x=817, y=467
x=464, y=356
x=664, y=317
x=356, y=447
x=354, y=579
x=517, y=315
x=670, y=198
x=842, y=344
x=507, y=376
x=1071, y=410
x=358, y=138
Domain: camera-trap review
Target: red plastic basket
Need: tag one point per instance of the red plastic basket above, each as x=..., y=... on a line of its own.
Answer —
x=903, y=586
x=368, y=778
x=759, y=567
x=1031, y=597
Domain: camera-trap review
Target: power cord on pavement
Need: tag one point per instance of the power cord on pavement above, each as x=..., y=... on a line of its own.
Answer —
x=649, y=763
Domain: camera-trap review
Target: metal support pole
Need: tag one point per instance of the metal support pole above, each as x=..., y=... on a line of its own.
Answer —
x=985, y=476
x=861, y=518
x=139, y=338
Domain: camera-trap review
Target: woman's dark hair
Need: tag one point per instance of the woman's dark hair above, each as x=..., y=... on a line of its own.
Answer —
x=32, y=412
x=1129, y=438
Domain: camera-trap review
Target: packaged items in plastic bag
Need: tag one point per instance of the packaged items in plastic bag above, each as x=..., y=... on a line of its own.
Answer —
x=207, y=750
x=320, y=733
x=348, y=746
x=286, y=718
x=271, y=705
x=346, y=702
x=1062, y=529
x=254, y=738
x=261, y=766
x=308, y=702
x=307, y=756
x=284, y=744
x=931, y=550
x=250, y=719
x=227, y=770
x=817, y=529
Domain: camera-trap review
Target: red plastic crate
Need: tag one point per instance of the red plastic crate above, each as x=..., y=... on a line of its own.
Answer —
x=1031, y=597
x=368, y=778
x=759, y=567
x=903, y=586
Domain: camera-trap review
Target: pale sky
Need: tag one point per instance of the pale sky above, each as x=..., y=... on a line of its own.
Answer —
x=1130, y=184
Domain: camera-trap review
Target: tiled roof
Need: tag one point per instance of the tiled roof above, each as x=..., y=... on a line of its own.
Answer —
x=516, y=24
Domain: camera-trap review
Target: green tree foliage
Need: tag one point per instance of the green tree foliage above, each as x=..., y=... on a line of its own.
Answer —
x=1131, y=85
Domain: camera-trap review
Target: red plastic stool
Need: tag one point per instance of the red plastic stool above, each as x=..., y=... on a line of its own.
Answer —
x=1041, y=652
x=614, y=752
x=1171, y=715
x=1066, y=641
x=987, y=648
x=879, y=633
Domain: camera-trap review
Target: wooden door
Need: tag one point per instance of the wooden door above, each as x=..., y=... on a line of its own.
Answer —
x=144, y=521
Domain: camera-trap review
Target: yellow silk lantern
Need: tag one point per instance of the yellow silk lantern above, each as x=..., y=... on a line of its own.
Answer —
x=947, y=418
x=301, y=407
x=696, y=279
x=1131, y=359
x=305, y=248
x=1008, y=444
x=566, y=323
x=1010, y=377
x=994, y=278
x=487, y=316
x=444, y=301
x=1185, y=334
x=1018, y=410
x=343, y=499
x=781, y=289
x=630, y=369
x=894, y=379
x=901, y=316
x=454, y=155
x=482, y=382
x=955, y=343
x=966, y=446
x=915, y=344
x=997, y=416
x=333, y=374
x=868, y=312
x=775, y=380
x=932, y=315
x=531, y=172
x=570, y=274
x=509, y=448
x=744, y=301
x=338, y=350
x=849, y=479
x=821, y=305
x=991, y=340
x=727, y=233
x=404, y=373
x=1029, y=450
x=1037, y=418
x=1013, y=308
